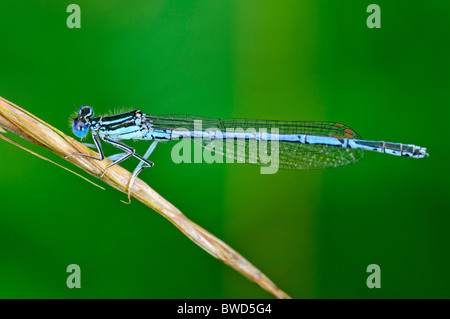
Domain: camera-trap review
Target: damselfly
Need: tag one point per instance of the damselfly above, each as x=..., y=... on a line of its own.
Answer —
x=300, y=145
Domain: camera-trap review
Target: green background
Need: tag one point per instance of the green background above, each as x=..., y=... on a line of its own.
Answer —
x=312, y=232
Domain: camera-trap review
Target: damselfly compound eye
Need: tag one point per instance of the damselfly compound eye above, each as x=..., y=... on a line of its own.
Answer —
x=80, y=129
x=86, y=111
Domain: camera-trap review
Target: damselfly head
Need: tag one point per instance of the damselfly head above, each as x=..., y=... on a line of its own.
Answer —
x=80, y=124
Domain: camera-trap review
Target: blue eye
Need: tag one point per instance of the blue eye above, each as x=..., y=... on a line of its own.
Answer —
x=80, y=129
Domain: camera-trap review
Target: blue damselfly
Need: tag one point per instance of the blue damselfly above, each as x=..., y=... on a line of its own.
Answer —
x=300, y=145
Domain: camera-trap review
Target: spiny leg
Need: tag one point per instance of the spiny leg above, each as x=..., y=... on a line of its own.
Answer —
x=126, y=155
x=120, y=157
x=98, y=145
x=129, y=151
x=139, y=169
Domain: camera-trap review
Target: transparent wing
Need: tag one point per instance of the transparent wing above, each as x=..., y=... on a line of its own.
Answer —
x=291, y=155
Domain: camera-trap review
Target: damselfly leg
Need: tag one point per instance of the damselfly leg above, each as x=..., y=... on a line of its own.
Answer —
x=139, y=169
x=129, y=151
x=97, y=144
